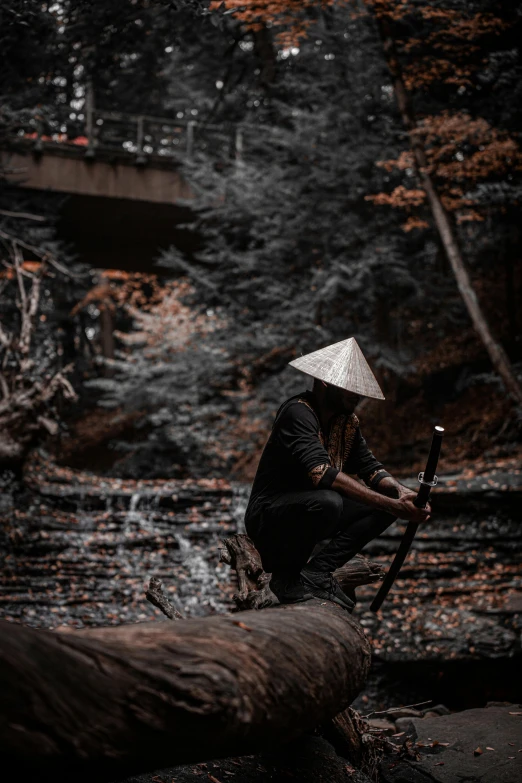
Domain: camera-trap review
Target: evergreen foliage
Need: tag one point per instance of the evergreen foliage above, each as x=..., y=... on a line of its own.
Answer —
x=301, y=247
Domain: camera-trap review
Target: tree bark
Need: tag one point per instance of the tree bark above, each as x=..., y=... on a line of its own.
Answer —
x=158, y=598
x=253, y=583
x=498, y=356
x=106, y=335
x=267, y=55
x=106, y=702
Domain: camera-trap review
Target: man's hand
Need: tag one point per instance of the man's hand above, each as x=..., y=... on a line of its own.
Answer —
x=407, y=510
x=401, y=507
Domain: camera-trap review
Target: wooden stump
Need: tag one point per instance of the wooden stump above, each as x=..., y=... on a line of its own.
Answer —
x=240, y=552
x=254, y=592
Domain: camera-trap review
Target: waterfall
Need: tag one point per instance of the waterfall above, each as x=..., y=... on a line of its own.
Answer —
x=201, y=587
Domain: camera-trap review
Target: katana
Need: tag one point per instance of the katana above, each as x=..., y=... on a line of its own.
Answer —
x=427, y=480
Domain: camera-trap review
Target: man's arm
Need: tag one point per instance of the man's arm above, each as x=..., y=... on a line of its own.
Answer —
x=401, y=507
x=367, y=467
x=372, y=472
x=298, y=432
x=391, y=487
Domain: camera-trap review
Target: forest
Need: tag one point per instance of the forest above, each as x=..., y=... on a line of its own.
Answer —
x=194, y=193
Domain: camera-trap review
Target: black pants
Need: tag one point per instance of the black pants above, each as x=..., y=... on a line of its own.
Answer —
x=288, y=529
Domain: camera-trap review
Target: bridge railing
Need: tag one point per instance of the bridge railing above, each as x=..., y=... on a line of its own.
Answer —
x=144, y=137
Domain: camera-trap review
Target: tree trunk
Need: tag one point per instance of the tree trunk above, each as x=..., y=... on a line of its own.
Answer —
x=267, y=55
x=106, y=336
x=102, y=703
x=512, y=284
x=498, y=357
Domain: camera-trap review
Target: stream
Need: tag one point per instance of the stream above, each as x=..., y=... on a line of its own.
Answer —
x=79, y=550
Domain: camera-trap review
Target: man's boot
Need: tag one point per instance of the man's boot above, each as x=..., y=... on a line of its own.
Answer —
x=322, y=584
x=288, y=589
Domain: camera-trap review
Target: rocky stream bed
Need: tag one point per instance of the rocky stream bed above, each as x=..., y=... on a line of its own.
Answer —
x=79, y=550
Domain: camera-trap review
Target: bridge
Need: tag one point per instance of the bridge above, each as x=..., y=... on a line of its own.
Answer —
x=123, y=177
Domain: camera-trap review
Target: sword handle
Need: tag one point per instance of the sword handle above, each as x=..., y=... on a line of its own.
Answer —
x=423, y=495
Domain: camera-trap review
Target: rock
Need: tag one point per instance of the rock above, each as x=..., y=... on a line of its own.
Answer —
x=406, y=712
x=404, y=724
x=498, y=704
x=447, y=746
x=403, y=716
x=383, y=725
x=432, y=712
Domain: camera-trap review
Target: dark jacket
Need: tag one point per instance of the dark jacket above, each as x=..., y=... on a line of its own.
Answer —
x=298, y=457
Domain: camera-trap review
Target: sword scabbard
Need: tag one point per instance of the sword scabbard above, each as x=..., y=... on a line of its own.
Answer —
x=427, y=480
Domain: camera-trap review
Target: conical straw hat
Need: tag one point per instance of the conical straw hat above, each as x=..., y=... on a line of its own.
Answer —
x=341, y=364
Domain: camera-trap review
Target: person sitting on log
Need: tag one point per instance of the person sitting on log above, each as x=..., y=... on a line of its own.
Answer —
x=302, y=494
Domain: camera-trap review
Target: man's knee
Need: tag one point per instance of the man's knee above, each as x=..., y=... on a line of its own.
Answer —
x=330, y=503
x=381, y=521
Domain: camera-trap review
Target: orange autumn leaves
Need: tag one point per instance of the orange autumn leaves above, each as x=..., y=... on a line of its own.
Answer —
x=445, y=53
x=162, y=322
x=451, y=30
x=461, y=152
x=167, y=325
x=288, y=17
x=442, y=51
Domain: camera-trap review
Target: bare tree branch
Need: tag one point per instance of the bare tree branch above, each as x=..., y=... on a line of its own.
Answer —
x=5, y=337
x=43, y=255
x=22, y=215
x=158, y=598
x=28, y=308
x=5, y=387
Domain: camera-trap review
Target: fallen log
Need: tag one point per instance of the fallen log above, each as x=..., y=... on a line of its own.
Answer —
x=113, y=701
x=106, y=702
